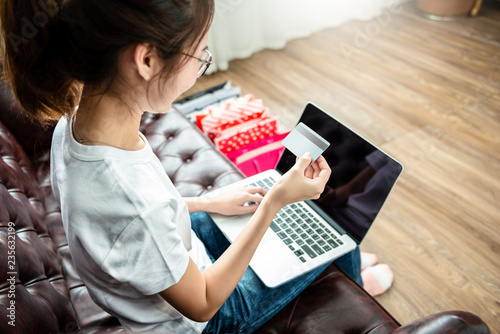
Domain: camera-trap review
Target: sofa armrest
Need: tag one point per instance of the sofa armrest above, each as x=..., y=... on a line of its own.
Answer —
x=456, y=322
x=334, y=303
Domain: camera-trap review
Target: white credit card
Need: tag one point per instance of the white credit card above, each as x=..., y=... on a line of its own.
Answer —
x=303, y=139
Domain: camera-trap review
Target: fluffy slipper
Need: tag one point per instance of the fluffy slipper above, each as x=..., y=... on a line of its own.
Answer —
x=377, y=279
x=368, y=260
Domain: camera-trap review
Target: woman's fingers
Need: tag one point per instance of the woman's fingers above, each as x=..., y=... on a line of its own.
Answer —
x=256, y=190
x=322, y=164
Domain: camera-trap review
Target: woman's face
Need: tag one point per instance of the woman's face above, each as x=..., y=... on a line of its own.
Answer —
x=183, y=81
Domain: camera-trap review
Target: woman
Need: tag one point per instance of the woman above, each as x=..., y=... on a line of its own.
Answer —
x=96, y=66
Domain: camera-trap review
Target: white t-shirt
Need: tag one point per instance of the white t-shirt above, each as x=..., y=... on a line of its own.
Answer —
x=128, y=230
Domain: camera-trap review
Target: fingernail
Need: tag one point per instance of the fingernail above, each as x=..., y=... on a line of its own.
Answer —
x=306, y=155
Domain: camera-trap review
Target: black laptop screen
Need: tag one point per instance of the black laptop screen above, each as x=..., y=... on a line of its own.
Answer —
x=362, y=175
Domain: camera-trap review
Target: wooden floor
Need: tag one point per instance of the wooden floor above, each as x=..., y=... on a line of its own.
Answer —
x=427, y=92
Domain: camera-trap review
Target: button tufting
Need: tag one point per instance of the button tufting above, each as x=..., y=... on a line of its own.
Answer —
x=209, y=187
x=188, y=160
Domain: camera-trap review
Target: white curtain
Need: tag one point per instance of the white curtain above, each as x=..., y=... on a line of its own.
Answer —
x=243, y=27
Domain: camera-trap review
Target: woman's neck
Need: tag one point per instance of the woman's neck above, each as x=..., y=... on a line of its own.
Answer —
x=107, y=120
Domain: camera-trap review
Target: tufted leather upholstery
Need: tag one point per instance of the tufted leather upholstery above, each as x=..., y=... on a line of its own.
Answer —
x=51, y=298
x=185, y=154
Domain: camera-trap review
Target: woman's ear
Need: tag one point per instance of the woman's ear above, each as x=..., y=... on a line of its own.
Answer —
x=146, y=60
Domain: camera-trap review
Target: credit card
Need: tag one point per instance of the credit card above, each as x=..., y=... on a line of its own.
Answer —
x=303, y=139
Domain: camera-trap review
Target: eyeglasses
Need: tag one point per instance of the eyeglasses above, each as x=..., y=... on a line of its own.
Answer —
x=205, y=62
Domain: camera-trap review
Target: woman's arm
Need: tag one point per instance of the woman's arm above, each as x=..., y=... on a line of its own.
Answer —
x=228, y=203
x=199, y=295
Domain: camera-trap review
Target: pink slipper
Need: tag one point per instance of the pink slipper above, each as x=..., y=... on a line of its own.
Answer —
x=377, y=279
x=368, y=260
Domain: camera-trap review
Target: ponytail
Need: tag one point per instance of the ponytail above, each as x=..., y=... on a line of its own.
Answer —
x=51, y=48
x=32, y=64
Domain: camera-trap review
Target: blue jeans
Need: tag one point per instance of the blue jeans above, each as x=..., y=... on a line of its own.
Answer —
x=252, y=303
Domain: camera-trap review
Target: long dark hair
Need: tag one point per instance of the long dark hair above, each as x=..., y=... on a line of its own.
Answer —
x=51, y=48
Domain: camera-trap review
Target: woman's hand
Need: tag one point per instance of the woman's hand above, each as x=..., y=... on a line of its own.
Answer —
x=303, y=181
x=231, y=202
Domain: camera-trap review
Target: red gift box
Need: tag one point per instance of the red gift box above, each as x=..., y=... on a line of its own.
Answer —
x=244, y=134
x=236, y=122
x=216, y=118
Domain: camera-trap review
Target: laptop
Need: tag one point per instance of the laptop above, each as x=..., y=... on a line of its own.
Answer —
x=308, y=234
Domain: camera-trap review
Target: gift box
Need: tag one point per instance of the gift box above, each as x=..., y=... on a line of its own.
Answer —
x=236, y=137
x=216, y=118
x=236, y=122
x=259, y=156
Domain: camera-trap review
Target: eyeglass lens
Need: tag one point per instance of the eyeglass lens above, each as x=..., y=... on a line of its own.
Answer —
x=205, y=62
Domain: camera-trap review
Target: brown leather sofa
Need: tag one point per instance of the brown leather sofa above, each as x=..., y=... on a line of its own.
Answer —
x=40, y=291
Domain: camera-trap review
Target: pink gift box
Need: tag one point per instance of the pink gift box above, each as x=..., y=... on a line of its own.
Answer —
x=259, y=156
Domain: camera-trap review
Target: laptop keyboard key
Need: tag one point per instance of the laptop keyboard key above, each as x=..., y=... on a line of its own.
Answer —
x=332, y=243
x=318, y=249
x=275, y=227
x=309, y=251
x=299, y=252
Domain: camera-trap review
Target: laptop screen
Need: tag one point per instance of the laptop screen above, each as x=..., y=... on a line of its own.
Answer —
x=362, y=175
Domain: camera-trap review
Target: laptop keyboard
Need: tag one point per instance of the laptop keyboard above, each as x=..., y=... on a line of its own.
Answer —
x=304, y=234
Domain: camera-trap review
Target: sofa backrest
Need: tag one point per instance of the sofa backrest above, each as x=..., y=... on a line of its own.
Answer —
x=34, y=295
